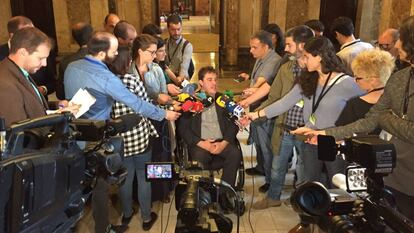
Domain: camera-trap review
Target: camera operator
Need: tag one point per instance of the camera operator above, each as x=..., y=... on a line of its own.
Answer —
x=211, y=135
x=92, y=73
x=394, y=113
x=19, y=97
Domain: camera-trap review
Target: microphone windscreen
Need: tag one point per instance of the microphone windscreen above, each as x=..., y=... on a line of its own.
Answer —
x=187, y=106
x=208, y=101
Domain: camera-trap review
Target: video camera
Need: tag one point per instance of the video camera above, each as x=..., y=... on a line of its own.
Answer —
x=46, y=178
x=336, y=210
x=196, y=196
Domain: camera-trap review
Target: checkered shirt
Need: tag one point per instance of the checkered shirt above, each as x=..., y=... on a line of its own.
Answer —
x=136, y=140
x=294, y=116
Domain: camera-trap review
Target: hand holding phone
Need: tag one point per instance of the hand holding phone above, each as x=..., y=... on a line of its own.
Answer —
x=239, y=79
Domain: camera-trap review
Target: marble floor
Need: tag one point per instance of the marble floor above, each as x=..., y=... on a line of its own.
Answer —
x=276, y=219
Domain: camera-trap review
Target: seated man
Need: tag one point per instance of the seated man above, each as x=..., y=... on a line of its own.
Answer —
x=211, y=135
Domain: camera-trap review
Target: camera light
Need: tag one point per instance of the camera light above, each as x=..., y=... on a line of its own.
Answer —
x=356, y=179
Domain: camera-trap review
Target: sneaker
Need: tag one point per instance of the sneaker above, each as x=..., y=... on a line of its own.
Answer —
x=126, y=220
x=265, y=203
x=264, y=188
x=147, y=225
x=254, y=172
x=116, y=228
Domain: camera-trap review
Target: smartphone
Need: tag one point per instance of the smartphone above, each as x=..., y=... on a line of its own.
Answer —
x=159, y=171
x=239, y=79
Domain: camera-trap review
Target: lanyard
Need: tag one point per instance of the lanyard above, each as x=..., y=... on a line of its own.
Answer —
x=95, y=62
x=32, y=83
x=173, y=55
x=351, y=44
x=407, y=95
x=257, y=69
x=315, y=106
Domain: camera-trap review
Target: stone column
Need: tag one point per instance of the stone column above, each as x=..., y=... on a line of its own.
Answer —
x=232, y=31
x=146, y=12
x=5, y=15
x=62, y=25
x=277, y=13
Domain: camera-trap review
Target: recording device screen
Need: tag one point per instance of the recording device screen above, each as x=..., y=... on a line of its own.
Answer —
x=159, y=171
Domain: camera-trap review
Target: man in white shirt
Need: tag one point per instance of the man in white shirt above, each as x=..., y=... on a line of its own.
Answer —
x=343, y=29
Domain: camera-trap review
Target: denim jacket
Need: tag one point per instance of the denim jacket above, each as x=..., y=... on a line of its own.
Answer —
x=94, y=76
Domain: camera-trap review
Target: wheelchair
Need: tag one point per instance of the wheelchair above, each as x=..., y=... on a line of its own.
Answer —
x=182, y=157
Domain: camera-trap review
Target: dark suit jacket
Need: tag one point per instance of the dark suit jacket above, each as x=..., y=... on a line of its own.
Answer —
x=189, y=127
x=4, y=51
x=60, y=89
x=45, y=76
x=18, y=100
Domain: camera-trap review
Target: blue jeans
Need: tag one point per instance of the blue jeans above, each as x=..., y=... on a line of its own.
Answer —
x=263, y=129
x=280, y=165
x=135, y=164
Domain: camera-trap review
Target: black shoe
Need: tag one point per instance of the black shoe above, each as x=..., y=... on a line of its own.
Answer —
x=126, y=220
x=147, y=225
x=116, y=228
x=264, y=188
x=254, y=172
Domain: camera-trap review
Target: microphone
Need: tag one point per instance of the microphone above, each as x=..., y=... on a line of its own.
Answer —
x=221, y=100
x=235, y=109
x=122, y=123
x=181, y=97
x=190, y=88
x=208, y=101
x=339, y=180
x=192, y=106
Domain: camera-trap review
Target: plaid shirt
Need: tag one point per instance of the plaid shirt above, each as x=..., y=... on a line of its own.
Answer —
x=294, y=116
x=136, y=140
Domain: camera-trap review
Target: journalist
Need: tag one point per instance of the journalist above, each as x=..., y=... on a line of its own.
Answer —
x=20, y=99
x=394, y=113
x=92, y=74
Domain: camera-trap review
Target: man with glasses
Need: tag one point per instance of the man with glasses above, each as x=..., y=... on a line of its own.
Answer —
x=92, y=74
x=386, y=42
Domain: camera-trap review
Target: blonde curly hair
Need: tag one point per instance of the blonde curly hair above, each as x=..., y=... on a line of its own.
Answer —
x=373, y=63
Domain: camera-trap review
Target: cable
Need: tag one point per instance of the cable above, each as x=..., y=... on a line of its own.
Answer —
x=169, y=213
x=251, y=202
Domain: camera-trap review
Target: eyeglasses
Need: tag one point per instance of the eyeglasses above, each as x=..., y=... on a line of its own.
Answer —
x=358, y=78
x=153, y=53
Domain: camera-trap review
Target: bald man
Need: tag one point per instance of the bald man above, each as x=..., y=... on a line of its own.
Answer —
x=386, y=42
x=92, y=73
x=110, y=22
x=125, y=33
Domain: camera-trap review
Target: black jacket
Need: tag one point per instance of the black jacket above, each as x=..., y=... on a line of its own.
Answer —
x=189, y=127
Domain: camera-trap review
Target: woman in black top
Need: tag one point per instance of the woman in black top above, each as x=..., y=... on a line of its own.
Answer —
x=371, y=69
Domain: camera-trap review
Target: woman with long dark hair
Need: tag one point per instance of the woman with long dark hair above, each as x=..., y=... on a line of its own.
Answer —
x=137, y=145
x=323, y=90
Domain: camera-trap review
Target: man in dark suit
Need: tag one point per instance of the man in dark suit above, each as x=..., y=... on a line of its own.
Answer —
x=45, y=76
x=81, y=32
x=211, y=135
x=20, y=99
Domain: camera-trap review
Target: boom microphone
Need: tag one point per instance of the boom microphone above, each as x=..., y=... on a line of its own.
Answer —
x=122, y=124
